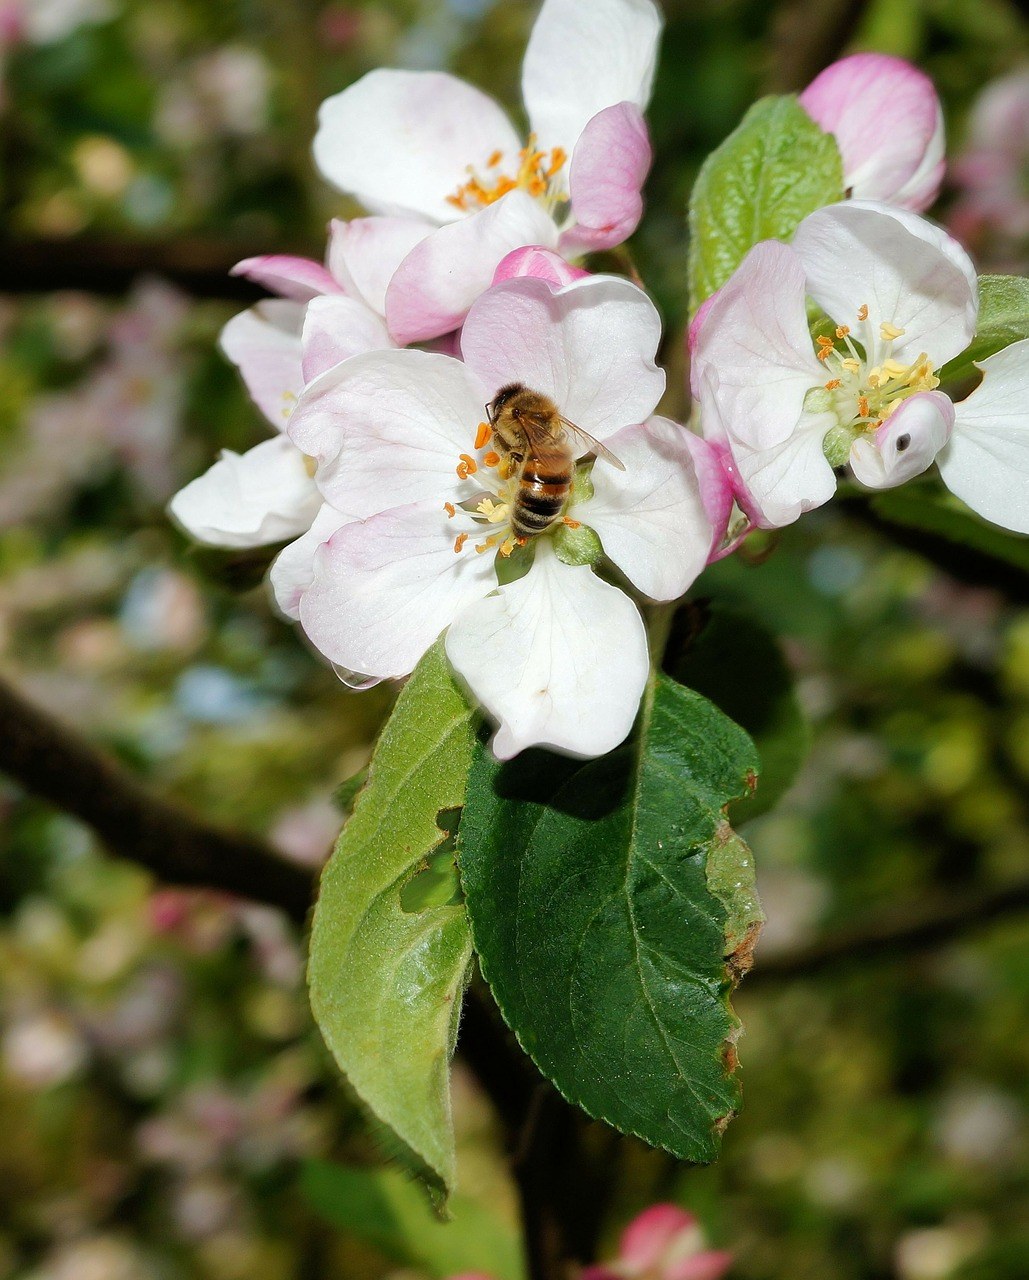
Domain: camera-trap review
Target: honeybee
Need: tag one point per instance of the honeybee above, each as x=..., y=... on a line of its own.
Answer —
x=535, y=441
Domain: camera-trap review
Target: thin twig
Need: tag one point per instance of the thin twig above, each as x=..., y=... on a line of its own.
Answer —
x=52, y=761
x=110, y=267
x=894, y=934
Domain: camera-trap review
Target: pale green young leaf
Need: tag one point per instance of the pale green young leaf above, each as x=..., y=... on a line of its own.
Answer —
x=770, y=173
x=612, y=907
x=1003, y=319
x=384, y=1208
x=387, y=965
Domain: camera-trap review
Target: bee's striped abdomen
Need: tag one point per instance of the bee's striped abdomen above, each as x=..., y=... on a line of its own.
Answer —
x=542, y=492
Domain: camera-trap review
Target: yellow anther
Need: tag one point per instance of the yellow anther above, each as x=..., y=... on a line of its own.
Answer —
x=483, y=434
x=507, y=546
x=863, y=406
x=570, y=523
x=894, y=369
x=851, y=365
x=535, y=171
x=450, y=509
x=889, y=331
x=863, y=312
x=832, y=384
x=491, y=459
x=843, y=330
x=459, y=541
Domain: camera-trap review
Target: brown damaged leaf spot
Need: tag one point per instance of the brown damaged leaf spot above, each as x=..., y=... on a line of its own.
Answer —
x=723, y=1122
x=740, y=960
x=751, y=781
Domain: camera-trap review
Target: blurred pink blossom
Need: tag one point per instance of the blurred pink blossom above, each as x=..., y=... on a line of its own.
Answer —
x=664, y=1242
x=991, y=214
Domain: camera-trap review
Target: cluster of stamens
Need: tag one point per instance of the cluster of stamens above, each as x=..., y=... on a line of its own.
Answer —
x=536, y=169
x=865, y=397
x=486, y=511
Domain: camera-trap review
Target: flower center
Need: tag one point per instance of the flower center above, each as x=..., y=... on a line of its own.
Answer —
x=866, y=384
x=534, y=173
x=491, y=515
x=861, y=393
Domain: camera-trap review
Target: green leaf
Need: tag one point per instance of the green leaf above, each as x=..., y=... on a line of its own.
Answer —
x=384, y=1208
x=1003, y=319
x=387, y=980
x=597, y=927
x=771, y=172
x=733, y=660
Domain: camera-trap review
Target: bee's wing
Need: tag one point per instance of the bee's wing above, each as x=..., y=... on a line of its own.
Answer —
x=591, y=445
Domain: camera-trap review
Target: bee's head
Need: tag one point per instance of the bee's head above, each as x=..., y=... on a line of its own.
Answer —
x=504, y=396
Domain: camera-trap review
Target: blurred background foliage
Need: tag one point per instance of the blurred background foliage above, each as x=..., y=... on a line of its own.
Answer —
x=161, y=1086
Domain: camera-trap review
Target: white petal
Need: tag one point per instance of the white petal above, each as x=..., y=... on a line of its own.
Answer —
x=337, y=328
x=590, y=346
x=401, y=141
x=987, y=461
x=906, y=270
x=385, y=588
x=906, y=444
x=584, y=57
x=558, y=657
x=289, y=276
x=388, y=428
x=787, y=479
x=365, y=252
x=249, y=499
x=292, y=570
x=432, y=289
x=752, y=360
x=264, y=344
x=651, y=517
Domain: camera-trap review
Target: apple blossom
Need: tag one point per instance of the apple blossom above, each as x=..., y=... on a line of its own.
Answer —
x=664, y=1242
x=558, y=656
x=888, y=124
x=430, y=147
x=323, y=315
x=902, y=297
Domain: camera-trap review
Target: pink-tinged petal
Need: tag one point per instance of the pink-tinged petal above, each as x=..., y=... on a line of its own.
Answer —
x=783, y=481
x=297, y=278
x=582, y=58
x=590, y=346
x=264, y=344
x=887, y=121
x=651, y=517
x=714, y=469
x=385, y=588
x=402, y=141
x=986, y=462
x=558, y=658
x=388, y=428
x=440, y=278
x=292, y=570
x=650, y=1235
x=336, y=329
x=600, y=1272
x=609, y=165
x=365, y=252
x=542, y=264
x=249, y=499
x=905, y=270
x=712, y=1264
x=753, y=360
x=696, y=324
x=907, y=442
